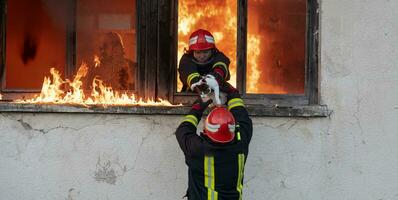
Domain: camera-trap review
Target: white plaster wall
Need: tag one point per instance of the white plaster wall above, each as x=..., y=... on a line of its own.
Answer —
x=359, y=82
x=74, y=156
x=351, y=155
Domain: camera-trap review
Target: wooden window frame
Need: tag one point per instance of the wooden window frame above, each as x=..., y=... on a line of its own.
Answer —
x=311, y=94
x=71, y=49
x=157, y=66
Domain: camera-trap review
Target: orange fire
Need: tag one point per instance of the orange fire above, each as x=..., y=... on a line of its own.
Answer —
x=253, y=73
x=58, y=91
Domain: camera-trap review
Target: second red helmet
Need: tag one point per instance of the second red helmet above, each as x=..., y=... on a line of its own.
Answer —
x=220, y=125
x=201, y=40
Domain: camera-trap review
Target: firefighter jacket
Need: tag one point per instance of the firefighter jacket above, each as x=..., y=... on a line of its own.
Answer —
x=215, y=171
x=191, y=71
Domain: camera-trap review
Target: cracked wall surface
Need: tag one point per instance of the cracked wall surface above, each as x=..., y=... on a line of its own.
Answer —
x=350, y=155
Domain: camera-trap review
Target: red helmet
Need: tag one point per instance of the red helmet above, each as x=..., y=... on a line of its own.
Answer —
x=201, y=40
x=220, y=125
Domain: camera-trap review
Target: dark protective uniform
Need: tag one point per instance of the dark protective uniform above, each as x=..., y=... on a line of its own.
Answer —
x=191, y=71
x=215, y=171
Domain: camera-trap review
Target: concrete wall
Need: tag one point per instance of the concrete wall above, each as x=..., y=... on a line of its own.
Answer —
x=351, y=155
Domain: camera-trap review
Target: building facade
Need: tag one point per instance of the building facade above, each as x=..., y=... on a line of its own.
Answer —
x=340, y=146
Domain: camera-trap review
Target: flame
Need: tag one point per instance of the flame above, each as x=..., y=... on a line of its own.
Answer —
x=58, y=91
x=97, y=61
x=1, y=96
x=253, y=73
x=219, y=17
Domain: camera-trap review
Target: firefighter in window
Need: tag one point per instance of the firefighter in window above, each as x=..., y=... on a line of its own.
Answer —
x=203, y=59
x=114, y=69
x=216, y=158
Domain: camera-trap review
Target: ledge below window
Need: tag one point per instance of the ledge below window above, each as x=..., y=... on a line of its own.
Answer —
x=269, y=111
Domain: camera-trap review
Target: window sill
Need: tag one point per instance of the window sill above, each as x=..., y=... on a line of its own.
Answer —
x=261, y=111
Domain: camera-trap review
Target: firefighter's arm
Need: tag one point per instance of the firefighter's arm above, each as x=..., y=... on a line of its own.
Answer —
x=188, y=71
x=186, y=135
x=220, y=67
x=237, y=108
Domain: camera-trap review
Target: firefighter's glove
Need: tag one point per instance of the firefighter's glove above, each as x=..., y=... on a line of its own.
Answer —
x=200, y=106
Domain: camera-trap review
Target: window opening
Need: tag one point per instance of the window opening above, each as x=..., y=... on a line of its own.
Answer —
x=32, y=29
x=105, y=48
x=276, y=35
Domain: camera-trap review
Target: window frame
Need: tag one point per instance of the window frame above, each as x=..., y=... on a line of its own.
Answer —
x=2, y=41
x=157, y=66
x=311, y=94
x=71, y=49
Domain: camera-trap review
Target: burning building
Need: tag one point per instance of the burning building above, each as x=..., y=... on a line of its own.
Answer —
x=90, y=99
x=96, y=52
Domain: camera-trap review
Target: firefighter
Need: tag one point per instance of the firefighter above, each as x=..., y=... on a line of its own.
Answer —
x=202, y=58
x=216, y=158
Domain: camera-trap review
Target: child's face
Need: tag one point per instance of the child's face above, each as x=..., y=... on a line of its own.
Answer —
x=202, y=55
